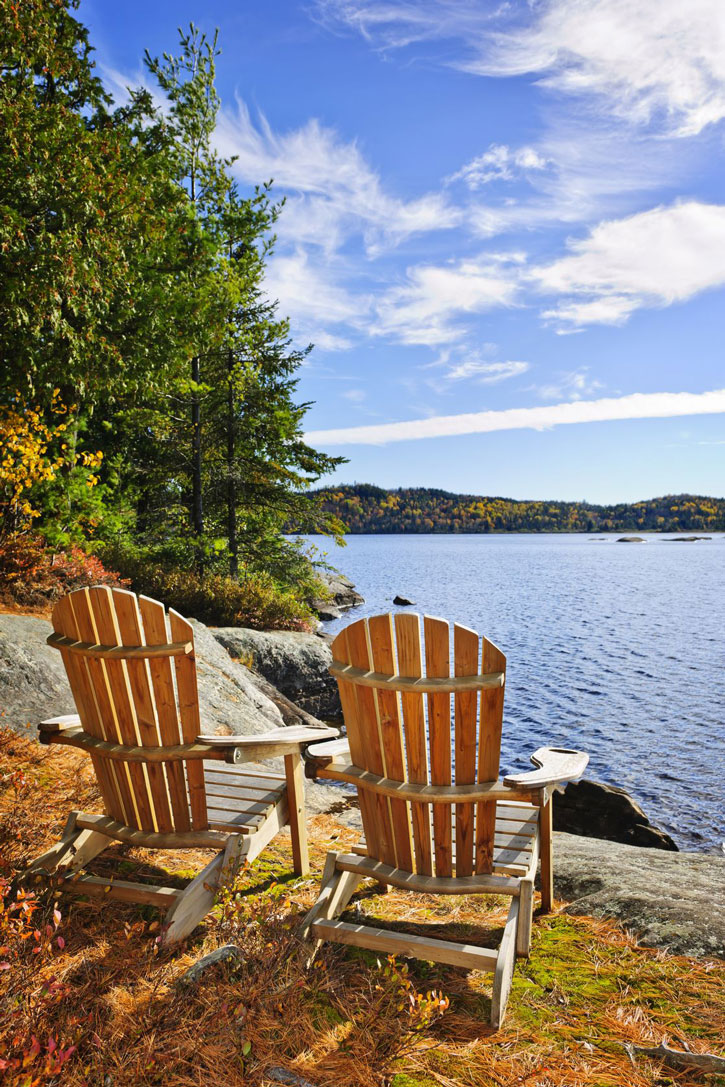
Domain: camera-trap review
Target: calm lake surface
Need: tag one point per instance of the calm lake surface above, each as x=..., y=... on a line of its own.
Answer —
x=616, y=649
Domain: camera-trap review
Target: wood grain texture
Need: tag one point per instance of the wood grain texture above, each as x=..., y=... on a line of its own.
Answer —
x=383, y=659
x=556, y=764
x=504, y=967
x=410, y=663
x=431, y=794
x=341, y=651
x=119, y=652
x=489, y=752
x=400, y=943
x=188, y=696
x=104, y=620
x=370, y=746
x=154, y=623
x=465, y=660
x=116, y=800
x=392, y=681
x=130, y=631
x=437, y=664
x=412, y=881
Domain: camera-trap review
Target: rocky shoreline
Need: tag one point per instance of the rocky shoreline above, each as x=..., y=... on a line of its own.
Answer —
x=611, y=861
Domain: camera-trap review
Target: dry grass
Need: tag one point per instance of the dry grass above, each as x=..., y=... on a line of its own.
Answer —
x=107, y=1006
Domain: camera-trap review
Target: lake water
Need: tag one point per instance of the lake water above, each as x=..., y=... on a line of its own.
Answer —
x=616, y=649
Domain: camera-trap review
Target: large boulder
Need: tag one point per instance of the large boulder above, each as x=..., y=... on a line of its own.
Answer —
x=595, y=810
x=668, y=900
x=296, y=664
x=342, y=595
x=33, y=683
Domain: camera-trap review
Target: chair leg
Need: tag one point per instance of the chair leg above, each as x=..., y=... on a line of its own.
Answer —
x=547, y=869
x=336, y=890
x=295, y=775
x=72, y=853
x=504, y=967
x=526, y=911
x=195, y=901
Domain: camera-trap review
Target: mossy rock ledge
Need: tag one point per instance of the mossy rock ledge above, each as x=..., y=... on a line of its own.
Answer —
x=668, y=900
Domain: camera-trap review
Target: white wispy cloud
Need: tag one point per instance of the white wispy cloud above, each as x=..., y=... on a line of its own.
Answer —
x=428, y=308
x=486, y=373
x=570, y=385
x=654, y=258
x=633, y=406
x=499, y=163
x=335, y=192
x=642, y=61
x=310, y=295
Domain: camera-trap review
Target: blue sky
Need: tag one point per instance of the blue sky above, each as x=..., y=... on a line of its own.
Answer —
x=504, y=229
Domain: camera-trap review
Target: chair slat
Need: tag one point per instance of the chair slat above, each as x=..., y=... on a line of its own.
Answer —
x=181, y=631
x=103, y=619
x=341, y=651
x=121, y=777
x=383, y=659
x=359, y=709
x=407, y=636
x=489, y=753
x=154, y=623
x=92, y=710
x=437, y=663
x=130, y=631
x=465, y=658
x=367, y=720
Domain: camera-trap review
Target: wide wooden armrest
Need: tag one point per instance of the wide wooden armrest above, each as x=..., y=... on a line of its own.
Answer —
x=267, y=745
x=318, y=756
x=57, y=724
x=555, y=764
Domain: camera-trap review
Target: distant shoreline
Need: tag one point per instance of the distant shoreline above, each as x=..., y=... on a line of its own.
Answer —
x=364, y=509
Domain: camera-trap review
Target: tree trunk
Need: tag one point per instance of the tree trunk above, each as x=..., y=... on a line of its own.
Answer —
x=197, y=506
x=231, y=483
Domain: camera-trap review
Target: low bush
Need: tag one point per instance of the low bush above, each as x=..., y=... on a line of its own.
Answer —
x=254, y=601
x=32, y=575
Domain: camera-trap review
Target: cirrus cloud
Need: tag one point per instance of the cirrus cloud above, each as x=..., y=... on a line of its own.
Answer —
x=607, y=409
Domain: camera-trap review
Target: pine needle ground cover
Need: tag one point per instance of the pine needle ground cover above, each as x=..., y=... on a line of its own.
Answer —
x=87, y=998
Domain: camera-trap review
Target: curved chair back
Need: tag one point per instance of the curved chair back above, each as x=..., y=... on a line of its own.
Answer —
x=134, y=684
x=396, y=690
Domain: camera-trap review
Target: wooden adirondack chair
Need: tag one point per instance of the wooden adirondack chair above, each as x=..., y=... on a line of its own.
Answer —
x=163, y=784
x=436, y=818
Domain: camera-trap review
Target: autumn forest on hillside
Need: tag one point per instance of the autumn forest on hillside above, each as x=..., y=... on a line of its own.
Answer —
x=365, y=508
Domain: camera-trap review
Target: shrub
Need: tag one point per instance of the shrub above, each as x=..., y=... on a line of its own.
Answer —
x=32, y=575
x=254, y=601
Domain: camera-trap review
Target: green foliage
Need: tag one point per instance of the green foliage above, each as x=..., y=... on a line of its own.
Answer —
x=256, y=600
x=364, y=508
x=131, y=287
x=89, y=273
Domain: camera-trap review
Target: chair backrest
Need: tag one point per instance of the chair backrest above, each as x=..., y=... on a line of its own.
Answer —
x=135, y=685
x=405, y=731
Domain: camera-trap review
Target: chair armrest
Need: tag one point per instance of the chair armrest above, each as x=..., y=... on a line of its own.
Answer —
x=265, y=745
x=318, y=756
x=555, y=764
x=55, y=725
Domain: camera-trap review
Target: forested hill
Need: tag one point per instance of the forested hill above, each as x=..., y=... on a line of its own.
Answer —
x=365, y=508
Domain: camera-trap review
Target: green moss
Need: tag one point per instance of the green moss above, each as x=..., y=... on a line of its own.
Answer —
x=402, y=1079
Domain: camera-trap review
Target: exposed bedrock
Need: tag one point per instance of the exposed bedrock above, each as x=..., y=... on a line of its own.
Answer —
x=296, y=664
x=668, y=900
